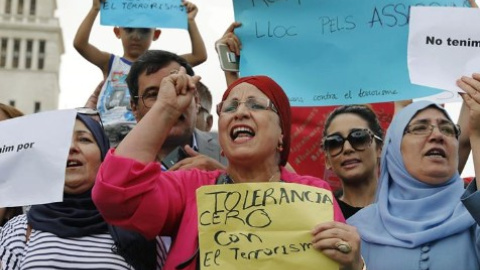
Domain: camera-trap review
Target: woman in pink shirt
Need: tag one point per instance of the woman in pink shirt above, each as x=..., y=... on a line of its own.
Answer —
x=254, y=132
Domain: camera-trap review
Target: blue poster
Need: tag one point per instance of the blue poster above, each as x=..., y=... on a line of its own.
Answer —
x=331, y=52
x=144, y=13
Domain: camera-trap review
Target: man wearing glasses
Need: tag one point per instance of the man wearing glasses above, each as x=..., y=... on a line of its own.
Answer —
x=204, y=117
x=143, y=82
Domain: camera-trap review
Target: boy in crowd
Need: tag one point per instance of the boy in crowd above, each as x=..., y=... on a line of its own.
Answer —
x=114, y=100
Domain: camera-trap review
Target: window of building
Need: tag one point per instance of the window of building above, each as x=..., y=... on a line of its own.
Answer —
x=37, y=107
x=16, y=53
x=3, y=52
x=11, y=103
x=8, y=7
x=29, y=54
x=20, y=7
x=33, y=7
x=41, y=54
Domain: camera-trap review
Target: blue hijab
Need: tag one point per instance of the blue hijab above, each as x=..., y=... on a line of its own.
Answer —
x=408, y=213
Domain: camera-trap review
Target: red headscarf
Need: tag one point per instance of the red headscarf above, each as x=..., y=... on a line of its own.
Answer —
x=275, y=93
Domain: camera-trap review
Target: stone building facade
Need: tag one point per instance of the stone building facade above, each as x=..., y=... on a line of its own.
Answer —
x=31, y=45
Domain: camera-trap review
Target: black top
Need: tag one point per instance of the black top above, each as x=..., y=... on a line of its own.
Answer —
x=347, y=210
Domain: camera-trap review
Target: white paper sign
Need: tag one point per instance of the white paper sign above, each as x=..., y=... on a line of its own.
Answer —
x=443, y=45
x=33, y=156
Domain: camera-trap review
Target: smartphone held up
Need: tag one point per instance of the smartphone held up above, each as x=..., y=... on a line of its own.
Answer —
x=229, y=61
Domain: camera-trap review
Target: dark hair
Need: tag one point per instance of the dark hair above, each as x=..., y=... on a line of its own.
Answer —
x=204, y=95
x=363, y=111
x=150, y=62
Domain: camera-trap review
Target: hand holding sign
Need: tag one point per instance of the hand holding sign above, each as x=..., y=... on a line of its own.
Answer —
x=230, y=39
x=243, y=226
x=192, y=10
x=97, y=4
x=471, y=86
x=233, y=44
x=340, y=242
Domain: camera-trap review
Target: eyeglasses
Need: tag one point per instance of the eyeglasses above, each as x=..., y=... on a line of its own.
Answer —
x=252, y=104
x=359, y=139
x=425, y=129
x=94, y=114
x=148, y=98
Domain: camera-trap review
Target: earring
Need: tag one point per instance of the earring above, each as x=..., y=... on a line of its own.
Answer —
x=222, y=153
x=280, y=147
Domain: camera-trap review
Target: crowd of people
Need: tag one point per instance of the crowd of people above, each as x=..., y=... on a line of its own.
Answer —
x=142, y=147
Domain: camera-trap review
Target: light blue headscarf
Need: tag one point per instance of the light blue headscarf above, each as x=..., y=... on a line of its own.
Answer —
x=407, y=212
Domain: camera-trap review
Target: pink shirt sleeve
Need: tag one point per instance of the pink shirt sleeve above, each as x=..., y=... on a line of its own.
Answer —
x=337, y=212
x=139, y=197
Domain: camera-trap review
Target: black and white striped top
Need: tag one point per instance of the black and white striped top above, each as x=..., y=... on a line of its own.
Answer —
x=45, y=250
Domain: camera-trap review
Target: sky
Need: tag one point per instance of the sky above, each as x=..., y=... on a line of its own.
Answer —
x=78, y=78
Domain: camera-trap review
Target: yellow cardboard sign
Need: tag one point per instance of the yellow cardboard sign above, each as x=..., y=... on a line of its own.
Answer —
x=262, y=226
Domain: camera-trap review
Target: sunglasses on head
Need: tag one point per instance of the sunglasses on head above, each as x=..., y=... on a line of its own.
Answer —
x=359, y=139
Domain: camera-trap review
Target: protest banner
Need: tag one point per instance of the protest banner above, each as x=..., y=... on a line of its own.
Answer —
x=262, y=226
x=33, y=157
x=331, y=52
x=144, y=13
x=443, y=46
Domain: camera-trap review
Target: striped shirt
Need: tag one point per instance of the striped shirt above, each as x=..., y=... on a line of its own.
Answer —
x=45, y=250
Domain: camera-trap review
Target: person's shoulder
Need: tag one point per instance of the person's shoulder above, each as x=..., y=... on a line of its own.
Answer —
x=207, y=142
x=16, y=223
x=122, y=59
x=13, y=233
x=207, y=136
x=363, y=216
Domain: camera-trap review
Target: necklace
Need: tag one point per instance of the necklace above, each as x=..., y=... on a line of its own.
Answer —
x=227, y=179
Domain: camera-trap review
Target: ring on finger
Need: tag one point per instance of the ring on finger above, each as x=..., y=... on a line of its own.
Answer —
x=343, y=247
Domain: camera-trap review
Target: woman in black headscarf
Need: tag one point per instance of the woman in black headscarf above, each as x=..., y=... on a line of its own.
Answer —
x=70, y=234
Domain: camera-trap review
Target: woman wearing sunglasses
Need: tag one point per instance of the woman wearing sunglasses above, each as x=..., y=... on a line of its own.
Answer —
x=352, y=142
x=254, y=133
x=418, y=220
